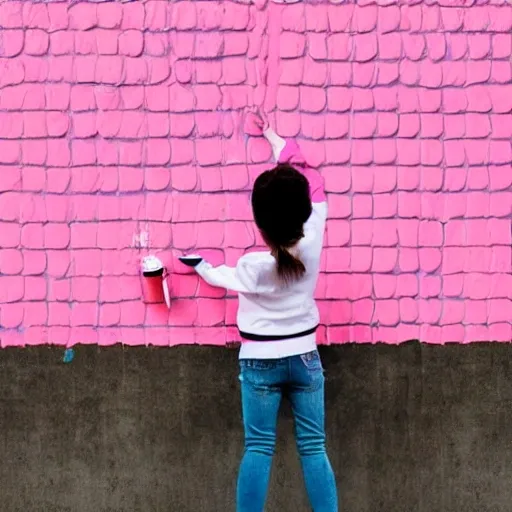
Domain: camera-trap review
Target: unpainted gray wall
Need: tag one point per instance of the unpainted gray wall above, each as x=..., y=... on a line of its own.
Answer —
x=411, y=428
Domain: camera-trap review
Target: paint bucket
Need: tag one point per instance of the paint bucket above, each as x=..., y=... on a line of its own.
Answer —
x=155, y=288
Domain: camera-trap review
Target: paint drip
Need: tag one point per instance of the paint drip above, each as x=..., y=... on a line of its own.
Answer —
x=69, y=355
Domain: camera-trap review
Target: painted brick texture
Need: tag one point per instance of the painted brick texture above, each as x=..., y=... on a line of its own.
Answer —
x=121, y=135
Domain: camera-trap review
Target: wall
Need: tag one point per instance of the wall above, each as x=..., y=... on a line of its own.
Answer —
x=418, y=428
x=120, y=134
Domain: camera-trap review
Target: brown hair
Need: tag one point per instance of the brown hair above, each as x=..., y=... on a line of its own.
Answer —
x=281, y=204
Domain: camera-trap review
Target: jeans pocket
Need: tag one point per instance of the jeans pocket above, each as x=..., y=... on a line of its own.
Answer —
x=312, y=361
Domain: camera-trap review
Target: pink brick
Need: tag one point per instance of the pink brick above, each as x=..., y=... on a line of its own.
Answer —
x=384, y=286
x=361, y=259
x=408, y=309
x=430, y=259
x=384, y=259
x=11, y=261
x=339, y=206
x=430, y=310
x=408, y=260
x=387, y=312
x=292, y=45
x=385, y=233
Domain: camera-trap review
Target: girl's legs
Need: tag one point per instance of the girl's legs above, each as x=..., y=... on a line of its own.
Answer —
x=307, y=398
x=261, y=397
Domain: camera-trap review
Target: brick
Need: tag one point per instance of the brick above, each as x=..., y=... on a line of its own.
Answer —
x=429, y=311
x=409, y=72
x=11, y=261
x=431, y=152
x=84, y=289
x=340, y=73
x=453, y=312
x=131, y=70
x=407, y=285
x=365, y=74
x=56, y=236
x=455, y=154
x=292, y=45
x=430, y=259
x=500, y=331
x=498, y=311
x=384, y=286
x=12, y=43
x=454, y=126
x=362, y=152
x=34, y=262
x=477, y=178
x=12, y=315
x=478, y=72
x=408, y=152
x=430, y=100
x=476, y=286
x=387, y=312
x=291, y=71
x=501, y=46
x=339, y=47
x=110, y=15
x=109, y=315
x=408, y=309
x=12, y=72
x=313, y=99
x=409, y=125
x=388, y=19
x=384, y=259
x=338, y=233
x=362, y=206
x=385, y=205
x=315, y=73
x=387, y=124
x=454, y=73
x=500, y=72
x=131, y=43
x=436, y=46
x=384, y=179
x=365, y=47
x=156, y=44
x=84, y=313
x=83, y=16
x=430, y=286
x=11, y=15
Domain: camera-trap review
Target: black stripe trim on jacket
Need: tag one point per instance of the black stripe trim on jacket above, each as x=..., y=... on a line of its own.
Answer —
x=277, y=337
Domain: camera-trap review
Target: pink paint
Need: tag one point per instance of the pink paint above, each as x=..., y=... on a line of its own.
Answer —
x=119, y=119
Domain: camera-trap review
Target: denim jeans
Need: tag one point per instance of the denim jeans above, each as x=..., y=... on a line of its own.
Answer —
x=264, y=381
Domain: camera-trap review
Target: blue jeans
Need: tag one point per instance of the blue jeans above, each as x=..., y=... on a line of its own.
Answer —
x=263, y=382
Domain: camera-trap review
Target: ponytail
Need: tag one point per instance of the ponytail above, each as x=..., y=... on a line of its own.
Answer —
x=289, y=267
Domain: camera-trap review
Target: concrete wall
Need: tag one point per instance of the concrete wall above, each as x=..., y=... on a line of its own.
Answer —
x=121, y=134
x=420, y=428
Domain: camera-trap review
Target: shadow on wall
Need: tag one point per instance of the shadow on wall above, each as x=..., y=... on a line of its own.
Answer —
x=420, y=428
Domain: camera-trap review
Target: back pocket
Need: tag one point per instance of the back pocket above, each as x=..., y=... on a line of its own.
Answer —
x=312, y=360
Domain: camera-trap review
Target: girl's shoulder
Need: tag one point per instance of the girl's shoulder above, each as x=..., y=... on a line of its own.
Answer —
x=260, y=268
x=257, y=259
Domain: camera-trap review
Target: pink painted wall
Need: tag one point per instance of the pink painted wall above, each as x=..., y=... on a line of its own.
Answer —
x=121, y=121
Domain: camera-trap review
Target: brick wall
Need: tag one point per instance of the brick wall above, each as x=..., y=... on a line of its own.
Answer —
x=120, y=135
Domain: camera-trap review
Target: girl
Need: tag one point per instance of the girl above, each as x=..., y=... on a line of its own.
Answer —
x=277, y=319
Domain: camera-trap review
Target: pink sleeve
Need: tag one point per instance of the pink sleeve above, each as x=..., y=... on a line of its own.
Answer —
x=292, y=155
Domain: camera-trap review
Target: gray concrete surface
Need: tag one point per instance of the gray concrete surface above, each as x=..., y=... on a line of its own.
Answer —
x=414, y=428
